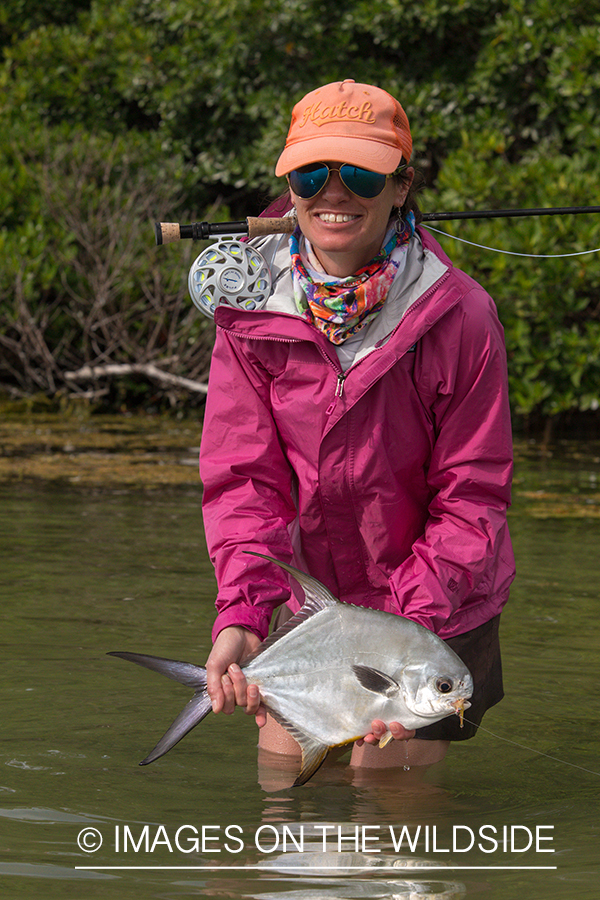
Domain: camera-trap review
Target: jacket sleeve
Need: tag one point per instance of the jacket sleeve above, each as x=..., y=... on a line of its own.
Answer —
x=464, y=557
x=247, y=500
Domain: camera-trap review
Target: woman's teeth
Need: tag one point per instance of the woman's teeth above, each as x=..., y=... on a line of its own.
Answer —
x=336, y=217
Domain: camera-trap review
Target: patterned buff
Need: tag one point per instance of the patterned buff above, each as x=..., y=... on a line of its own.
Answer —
x=341, y=308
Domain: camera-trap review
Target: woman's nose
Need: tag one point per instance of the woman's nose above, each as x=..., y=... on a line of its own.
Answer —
x=335, y=187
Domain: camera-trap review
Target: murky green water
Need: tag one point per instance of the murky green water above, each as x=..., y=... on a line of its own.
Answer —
x=88, y=572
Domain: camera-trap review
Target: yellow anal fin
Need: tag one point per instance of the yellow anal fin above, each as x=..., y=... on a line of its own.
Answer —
x=313, y=756
x=347, y=742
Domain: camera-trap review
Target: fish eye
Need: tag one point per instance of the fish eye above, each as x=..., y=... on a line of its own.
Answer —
x=444, y=685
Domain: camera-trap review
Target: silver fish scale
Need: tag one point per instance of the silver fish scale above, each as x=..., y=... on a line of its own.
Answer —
x=307, y=676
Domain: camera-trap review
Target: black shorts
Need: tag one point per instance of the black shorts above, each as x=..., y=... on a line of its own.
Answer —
x=479, y=649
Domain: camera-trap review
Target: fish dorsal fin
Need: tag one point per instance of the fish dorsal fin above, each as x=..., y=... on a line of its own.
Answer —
x=376, y=681
x=313, y=752
x=313, y=589
x=318, y=597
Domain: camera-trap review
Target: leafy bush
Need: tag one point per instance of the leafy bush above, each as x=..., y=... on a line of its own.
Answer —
x=502, y=95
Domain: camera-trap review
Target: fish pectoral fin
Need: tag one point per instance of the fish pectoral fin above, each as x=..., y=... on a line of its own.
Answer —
x=384, y=741
x=376, y=681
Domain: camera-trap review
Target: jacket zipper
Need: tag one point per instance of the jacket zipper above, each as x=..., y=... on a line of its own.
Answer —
x=339, y=390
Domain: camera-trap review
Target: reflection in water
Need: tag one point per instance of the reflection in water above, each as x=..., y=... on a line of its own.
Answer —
x=338, y=872
x=386, y=890
x=277, y=772
x=331, y=889
x=62, y=873
x=314, y=864
x=378, y=795
x=323, y=857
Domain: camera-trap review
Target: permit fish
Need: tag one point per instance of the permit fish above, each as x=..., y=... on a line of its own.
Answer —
x=329, y=671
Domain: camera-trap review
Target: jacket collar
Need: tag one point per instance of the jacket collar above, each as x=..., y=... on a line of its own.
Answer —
x=427, y=267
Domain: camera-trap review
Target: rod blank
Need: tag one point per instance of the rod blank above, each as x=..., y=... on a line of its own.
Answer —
x=509, y=213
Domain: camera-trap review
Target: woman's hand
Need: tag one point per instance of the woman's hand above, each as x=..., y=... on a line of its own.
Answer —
x=379, y=728
x=225, y=681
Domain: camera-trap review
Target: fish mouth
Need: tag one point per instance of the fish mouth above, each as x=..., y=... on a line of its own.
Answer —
x=460, y=706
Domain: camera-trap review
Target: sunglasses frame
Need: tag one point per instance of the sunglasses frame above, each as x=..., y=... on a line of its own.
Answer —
x=331, y=169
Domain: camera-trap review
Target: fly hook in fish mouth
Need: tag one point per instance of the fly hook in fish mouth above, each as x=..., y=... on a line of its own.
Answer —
x=460, y=706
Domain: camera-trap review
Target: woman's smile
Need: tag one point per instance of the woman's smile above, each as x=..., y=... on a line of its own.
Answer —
x=336, y=218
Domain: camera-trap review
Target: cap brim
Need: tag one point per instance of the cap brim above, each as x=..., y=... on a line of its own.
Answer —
x=367, y=154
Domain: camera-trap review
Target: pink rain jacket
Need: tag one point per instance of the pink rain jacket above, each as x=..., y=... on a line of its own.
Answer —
x=390, y=482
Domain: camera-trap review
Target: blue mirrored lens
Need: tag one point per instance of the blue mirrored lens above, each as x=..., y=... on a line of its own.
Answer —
x=361, y=181
x=309, y=180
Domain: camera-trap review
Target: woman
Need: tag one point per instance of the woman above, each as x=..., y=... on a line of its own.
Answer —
x=358, y=426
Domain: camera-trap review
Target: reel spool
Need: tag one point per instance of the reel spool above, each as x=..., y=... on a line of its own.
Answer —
x=231, y=273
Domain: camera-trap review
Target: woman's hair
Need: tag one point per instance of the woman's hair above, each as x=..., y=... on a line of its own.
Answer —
x=410, y=204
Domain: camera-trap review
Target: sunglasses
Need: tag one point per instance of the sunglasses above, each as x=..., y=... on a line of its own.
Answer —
x=307, y=181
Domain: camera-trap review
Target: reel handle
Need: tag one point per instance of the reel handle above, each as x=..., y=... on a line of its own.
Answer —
x=253, y=226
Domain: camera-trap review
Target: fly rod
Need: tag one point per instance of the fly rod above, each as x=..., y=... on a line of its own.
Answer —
x=257, y=226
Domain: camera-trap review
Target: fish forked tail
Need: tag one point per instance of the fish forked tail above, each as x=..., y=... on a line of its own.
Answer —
x=192, y=714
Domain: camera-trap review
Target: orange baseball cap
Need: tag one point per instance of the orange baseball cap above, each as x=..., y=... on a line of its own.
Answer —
x=347, y=122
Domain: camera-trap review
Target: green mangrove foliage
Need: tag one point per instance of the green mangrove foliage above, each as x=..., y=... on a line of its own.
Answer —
x=115, y=114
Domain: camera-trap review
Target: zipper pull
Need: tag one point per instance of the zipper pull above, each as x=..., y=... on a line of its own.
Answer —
x=339, y=390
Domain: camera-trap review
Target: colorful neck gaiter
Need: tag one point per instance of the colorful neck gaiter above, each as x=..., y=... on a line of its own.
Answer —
x=342, y=307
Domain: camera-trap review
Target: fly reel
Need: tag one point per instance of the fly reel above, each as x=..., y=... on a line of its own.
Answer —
x=231, y=273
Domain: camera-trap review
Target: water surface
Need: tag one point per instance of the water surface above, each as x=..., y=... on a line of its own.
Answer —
x=85, y=571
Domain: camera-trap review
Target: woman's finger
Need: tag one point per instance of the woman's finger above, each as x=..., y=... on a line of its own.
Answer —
x=253, y=699
x=238, y=681
x=400, y=733
x=229, y=694
x=379, y=729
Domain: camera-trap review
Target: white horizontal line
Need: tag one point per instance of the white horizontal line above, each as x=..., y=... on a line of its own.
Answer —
x=295, y=869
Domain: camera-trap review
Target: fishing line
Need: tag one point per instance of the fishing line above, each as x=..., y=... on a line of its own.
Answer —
x=532, y=750
x=512, y=252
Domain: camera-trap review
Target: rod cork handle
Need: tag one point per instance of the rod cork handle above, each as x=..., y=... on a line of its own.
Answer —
x=167, y=232
x=259, y=225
